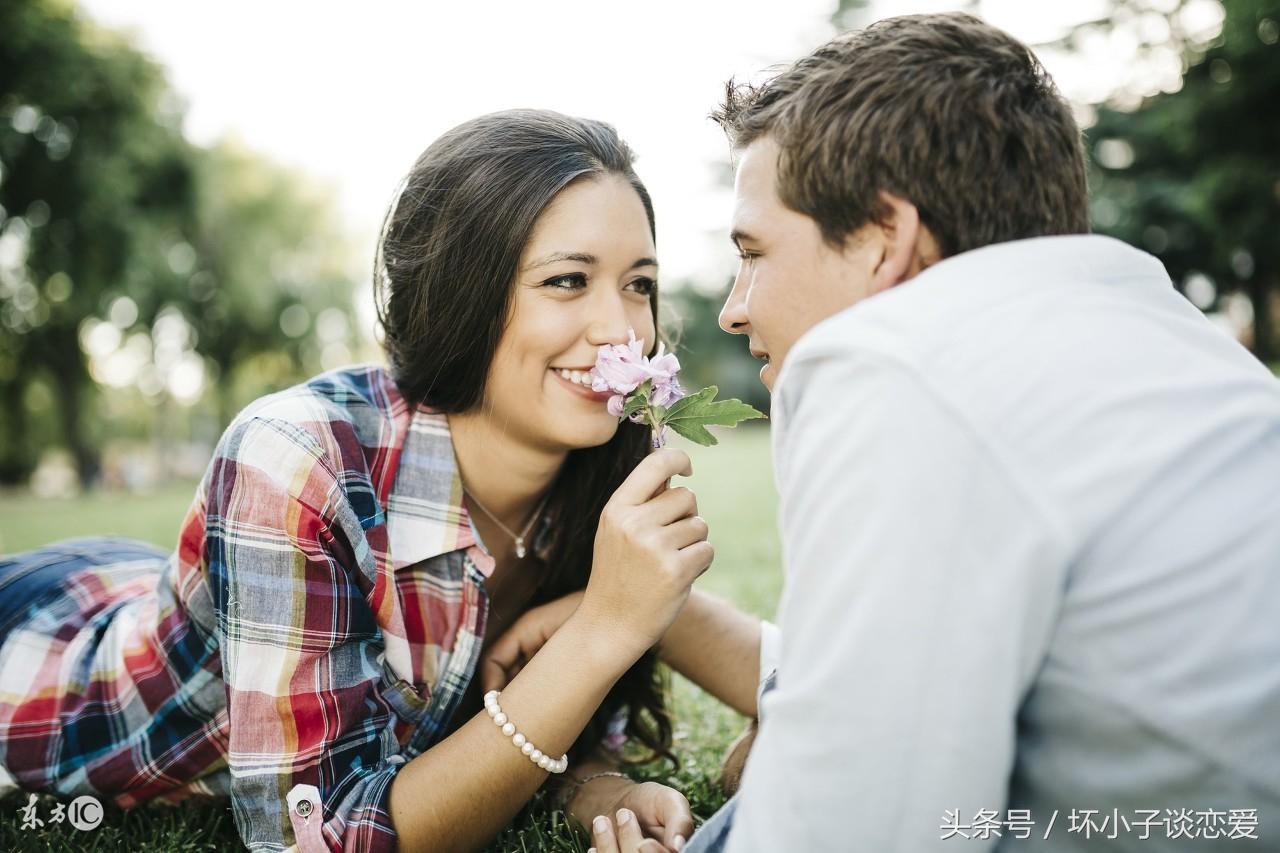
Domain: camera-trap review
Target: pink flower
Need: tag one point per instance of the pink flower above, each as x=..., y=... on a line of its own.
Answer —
x=666, y=393
x=615, y=405
x=622, y=368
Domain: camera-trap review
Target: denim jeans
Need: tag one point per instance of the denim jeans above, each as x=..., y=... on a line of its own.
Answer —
x=28, y=580
x=713, y=835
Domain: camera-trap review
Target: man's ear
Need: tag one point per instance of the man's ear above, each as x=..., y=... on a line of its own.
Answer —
x=908, y=247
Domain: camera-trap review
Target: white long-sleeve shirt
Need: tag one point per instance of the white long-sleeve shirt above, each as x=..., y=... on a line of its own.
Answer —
x=1030, y=510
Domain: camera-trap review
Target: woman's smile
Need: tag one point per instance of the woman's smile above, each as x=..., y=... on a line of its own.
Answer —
x=577, y=381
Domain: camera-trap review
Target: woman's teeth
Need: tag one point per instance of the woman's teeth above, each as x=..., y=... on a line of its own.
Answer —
x=577, y=376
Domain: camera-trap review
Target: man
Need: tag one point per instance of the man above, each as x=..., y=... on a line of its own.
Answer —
x=1030, y=497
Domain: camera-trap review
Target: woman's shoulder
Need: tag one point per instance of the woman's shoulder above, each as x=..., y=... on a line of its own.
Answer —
x=333, y=416
x=341, y=393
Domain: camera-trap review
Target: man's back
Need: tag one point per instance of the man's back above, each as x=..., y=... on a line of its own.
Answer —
x=1033, y=499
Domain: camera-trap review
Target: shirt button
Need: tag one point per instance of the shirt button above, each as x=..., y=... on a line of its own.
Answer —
x=303, y=808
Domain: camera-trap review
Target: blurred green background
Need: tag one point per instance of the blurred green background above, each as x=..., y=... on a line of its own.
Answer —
x=150, y=287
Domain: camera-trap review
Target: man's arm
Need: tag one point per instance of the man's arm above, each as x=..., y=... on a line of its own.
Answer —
x=922, y=579
x=717, y=647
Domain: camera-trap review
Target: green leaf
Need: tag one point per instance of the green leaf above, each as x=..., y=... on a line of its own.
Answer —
x=697, y=411
x=695, y=432
x=634, y=403
x=705, y=395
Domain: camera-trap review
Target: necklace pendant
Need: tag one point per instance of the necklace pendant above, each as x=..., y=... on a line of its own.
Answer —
x=520, y=547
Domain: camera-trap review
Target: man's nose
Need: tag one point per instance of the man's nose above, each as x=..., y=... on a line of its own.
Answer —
x=733, y=316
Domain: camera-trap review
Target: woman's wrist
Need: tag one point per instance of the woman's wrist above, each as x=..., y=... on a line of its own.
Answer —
x=599, y=796
x=605, y=641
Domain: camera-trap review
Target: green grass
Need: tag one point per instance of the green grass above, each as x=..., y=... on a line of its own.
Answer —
x=28, y=522
x=735, y=494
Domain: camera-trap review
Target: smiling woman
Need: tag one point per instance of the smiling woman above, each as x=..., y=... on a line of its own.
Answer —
x=358, y=542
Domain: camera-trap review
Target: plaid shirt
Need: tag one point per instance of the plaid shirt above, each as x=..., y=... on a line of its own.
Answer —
x=316, y=628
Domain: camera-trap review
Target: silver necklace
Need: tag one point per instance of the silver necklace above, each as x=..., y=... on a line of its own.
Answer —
x=518, y=537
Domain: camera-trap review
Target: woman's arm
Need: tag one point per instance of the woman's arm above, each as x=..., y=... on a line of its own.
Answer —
x=711, y=642
x=478, y=772
x=648, y=552
x=717, y=647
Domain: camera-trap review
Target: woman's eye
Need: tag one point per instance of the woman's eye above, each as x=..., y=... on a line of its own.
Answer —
x=746, y=257
x=644, y=286
x=572, y=281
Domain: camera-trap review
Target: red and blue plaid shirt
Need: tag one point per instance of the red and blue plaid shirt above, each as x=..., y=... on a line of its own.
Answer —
x=315, y=629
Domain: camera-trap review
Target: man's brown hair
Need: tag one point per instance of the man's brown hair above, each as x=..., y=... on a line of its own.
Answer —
x=946, y=111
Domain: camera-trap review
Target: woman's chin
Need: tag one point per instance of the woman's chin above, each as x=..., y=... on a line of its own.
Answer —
x=582, y=432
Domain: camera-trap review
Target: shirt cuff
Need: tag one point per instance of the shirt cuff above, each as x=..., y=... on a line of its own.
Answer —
x=770, y=640
x=306, y=816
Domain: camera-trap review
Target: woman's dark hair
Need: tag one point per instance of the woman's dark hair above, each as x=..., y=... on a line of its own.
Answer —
x=443, y=284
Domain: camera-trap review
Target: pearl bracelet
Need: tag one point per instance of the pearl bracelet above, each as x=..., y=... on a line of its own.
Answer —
x=546, y=762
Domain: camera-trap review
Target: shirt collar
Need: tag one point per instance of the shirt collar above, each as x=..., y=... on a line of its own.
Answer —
x=425, y=514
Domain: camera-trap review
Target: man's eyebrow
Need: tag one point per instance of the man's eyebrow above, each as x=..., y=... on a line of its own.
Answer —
x=584, y=258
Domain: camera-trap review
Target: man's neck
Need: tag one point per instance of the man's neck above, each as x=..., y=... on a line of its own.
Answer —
x=507, y=476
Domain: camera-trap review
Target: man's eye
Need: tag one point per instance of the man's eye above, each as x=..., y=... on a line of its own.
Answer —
x=645, y=286
x=572, y=281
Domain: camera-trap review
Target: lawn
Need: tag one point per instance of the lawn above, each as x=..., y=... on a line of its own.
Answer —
x=735, y=494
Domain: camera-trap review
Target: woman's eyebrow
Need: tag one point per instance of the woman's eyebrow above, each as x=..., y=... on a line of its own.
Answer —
x=556, y=257
x=583, y=258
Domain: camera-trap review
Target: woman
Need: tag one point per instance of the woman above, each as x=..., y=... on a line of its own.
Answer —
x=311, y=647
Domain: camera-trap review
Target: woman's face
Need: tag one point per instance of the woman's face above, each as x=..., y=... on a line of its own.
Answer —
x=585, y=278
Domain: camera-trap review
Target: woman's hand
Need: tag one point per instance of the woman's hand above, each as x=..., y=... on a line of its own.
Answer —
x=650, y=547
x=518, y=644
x=648, y=817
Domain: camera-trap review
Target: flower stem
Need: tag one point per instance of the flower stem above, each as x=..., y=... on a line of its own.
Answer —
x=654, y=426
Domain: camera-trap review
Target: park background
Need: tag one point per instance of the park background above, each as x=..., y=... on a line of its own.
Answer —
x=190, y=196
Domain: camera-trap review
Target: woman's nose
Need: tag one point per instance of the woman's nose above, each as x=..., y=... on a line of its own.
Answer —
x=609, y=321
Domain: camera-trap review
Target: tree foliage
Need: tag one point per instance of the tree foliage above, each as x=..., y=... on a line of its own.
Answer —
x=1193, y=176
x=110, y=220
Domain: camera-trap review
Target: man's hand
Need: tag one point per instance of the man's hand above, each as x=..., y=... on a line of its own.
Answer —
x=519, y=643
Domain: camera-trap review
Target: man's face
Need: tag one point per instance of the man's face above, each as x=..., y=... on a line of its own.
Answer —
x=790, y=279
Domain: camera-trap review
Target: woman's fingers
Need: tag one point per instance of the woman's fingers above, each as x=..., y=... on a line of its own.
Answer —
x=621, y=834
x=651, y=474
x=685, y=532
x=629, y=835
x=697, y=558
x=502, y=660
x=672, y=504
x=603, y=838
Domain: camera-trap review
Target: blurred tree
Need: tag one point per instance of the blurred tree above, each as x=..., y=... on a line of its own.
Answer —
x=1193, y=175
x=271, y=277
x=95, y=179
x=132, y=259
